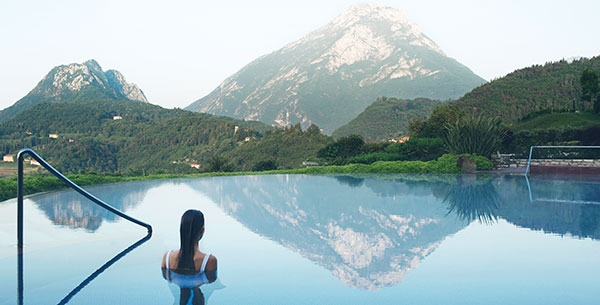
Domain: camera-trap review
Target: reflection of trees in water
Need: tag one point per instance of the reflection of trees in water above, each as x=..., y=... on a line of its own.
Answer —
x=589, y=220
x=474, y=201
x=350, y=181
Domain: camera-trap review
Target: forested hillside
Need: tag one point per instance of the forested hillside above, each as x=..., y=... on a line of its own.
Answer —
x=555, y=86
x=387, y=118
x=140, y=138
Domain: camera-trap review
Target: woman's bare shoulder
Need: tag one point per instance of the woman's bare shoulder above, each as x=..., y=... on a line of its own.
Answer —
x=171, y=260
x=212, y=263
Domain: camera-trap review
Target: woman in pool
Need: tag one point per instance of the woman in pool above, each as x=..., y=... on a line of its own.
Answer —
x=188, y=267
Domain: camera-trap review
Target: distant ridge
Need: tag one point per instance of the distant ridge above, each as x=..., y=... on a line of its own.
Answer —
x=555, y=86
x=76, y=82
x=387, y=118
x=332, y=74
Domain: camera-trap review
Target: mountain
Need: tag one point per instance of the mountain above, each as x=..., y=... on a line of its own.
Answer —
x=332, y=74
x=387, y=118
x=555, y=86
x=77, y=82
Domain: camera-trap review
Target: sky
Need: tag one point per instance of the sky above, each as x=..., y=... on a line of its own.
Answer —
x=179, y=51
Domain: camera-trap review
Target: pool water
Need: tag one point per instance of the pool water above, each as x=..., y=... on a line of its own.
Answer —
x=297, y=239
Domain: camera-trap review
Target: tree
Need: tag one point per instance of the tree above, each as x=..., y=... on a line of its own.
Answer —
x=590, y=88
x=343, y=148
x=265, y=165
x=219, y=164
x=440, y=117
x=415, y=126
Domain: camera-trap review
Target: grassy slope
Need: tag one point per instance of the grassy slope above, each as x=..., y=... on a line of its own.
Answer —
x=559, y=120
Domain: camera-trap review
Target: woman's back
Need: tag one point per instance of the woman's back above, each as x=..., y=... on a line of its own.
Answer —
x=172, y=259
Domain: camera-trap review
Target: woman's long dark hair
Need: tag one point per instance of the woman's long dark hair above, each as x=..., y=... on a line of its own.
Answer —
x=192, y=222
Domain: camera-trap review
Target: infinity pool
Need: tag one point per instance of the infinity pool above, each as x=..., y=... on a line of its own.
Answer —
x=296, y=239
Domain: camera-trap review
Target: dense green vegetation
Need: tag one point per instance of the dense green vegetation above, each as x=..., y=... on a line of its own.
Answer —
x=150, y=139
x=590, y=88
x=279, y=148
x=566, y=118
x=555, y=86
x=387, y=118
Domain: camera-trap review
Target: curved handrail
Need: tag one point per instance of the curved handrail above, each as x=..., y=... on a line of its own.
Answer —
x=20, y=157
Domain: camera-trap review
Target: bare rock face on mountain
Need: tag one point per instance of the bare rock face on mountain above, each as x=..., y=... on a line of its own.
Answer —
x=75, y=82
x=332, y=74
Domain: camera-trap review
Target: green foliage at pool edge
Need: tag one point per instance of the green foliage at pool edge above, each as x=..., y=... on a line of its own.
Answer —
x=445, y=164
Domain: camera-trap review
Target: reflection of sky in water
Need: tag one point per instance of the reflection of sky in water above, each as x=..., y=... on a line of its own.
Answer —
x=317, y=240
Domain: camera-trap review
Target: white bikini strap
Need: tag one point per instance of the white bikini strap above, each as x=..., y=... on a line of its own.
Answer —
x=168, y=265
x=204, y=262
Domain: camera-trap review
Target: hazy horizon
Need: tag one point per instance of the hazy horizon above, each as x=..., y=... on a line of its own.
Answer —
x=178, y=53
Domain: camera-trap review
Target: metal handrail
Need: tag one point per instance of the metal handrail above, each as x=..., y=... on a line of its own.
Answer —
x=551, y=146
x=20, y=193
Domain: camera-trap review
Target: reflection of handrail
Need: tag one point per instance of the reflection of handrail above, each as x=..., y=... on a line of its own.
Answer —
x=90, y=278
x=20, y=157
x=554, y=200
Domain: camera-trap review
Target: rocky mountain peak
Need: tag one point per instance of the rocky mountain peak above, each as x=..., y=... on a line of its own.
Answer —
x=76, y=77
x=372, y=10
x=376, y=20
x=130, y=91
x=72, y=82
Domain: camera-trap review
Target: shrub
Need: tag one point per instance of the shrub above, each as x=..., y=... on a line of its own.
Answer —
x=219, y=164
x=265, y=165
x=423, y=149
x=483, y=163
x=474, y=135
x=343, y=148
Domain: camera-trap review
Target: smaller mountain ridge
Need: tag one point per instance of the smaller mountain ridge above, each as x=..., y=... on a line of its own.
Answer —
x=555, y=86
x=387, y=118
x=76, y=82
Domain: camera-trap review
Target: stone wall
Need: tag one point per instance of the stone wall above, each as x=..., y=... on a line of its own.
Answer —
x=507, y=162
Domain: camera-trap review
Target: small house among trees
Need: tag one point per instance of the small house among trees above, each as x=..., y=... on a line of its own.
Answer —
x=8, y=158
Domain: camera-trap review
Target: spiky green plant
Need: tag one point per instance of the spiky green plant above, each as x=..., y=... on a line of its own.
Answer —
x=474, y=135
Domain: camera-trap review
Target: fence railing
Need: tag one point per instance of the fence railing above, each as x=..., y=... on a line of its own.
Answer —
x=551, y=146
x=86, y=194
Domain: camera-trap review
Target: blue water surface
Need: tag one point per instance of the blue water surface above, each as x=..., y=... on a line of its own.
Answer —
x=297, y=239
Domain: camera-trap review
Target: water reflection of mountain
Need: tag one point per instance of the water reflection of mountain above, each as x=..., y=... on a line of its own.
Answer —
x=365, y=239
x=72, y=210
